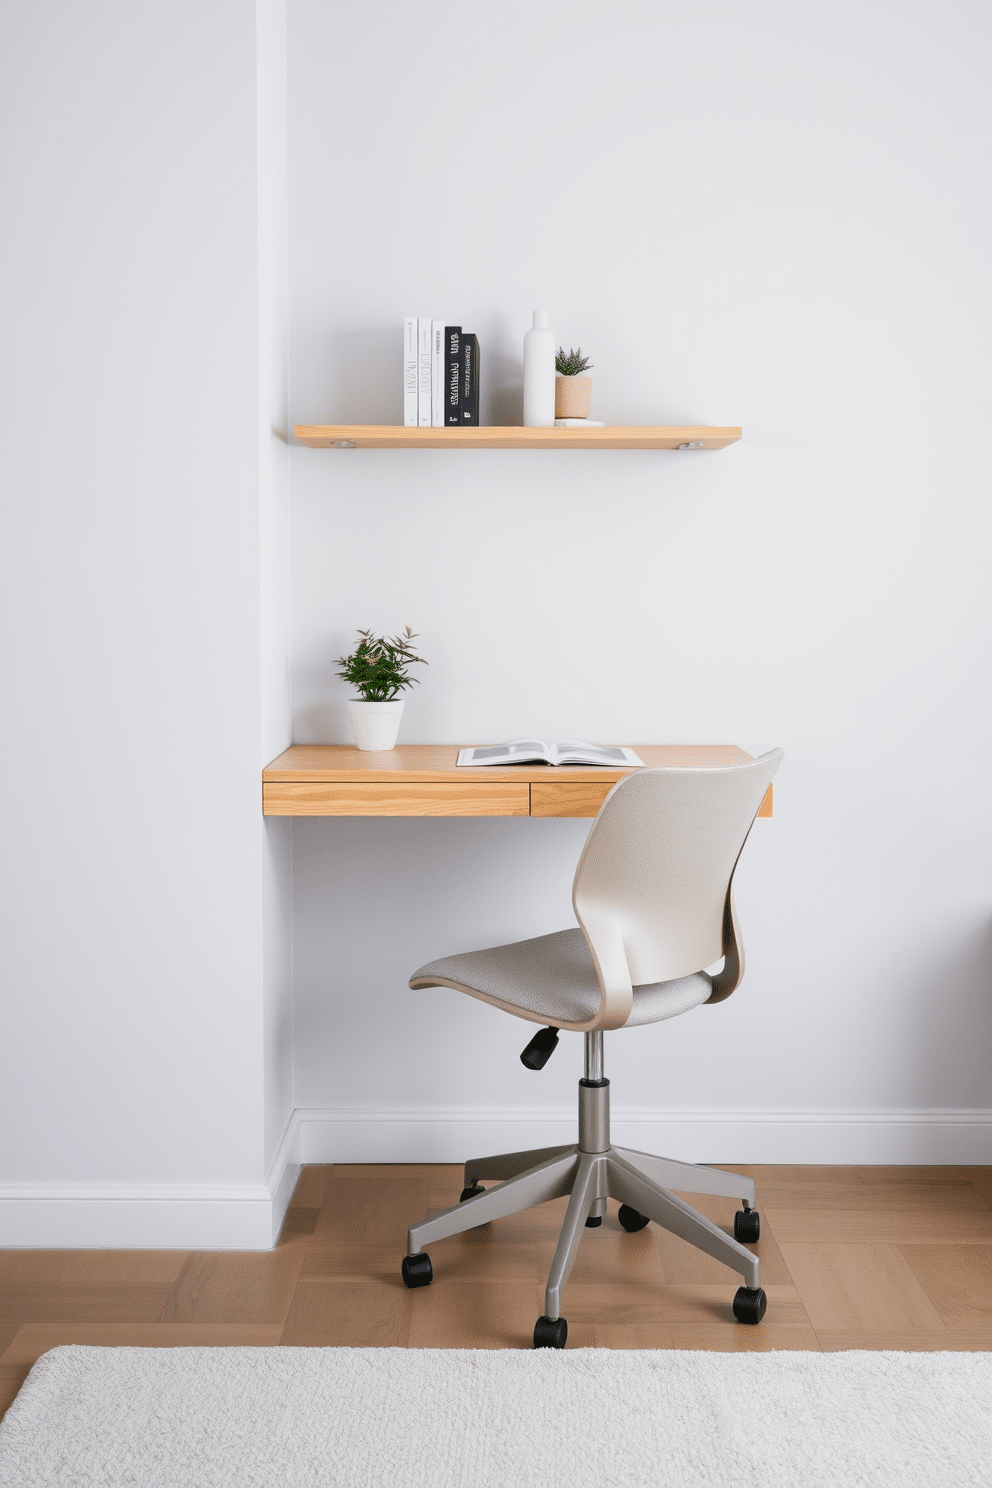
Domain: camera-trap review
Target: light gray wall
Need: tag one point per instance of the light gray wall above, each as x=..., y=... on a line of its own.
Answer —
x=135, y=1088
x=766, y=215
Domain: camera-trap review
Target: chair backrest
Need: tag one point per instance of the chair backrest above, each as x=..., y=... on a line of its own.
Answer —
x=656, y=869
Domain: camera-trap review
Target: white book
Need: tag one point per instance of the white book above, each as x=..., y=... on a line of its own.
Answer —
x=424, y=387
x=437, y=374
x=562, y=752
x=410, y=372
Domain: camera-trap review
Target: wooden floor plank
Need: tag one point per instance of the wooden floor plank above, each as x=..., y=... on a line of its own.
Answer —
x=859, y=1286
x=918, y=1196
x=352, y=1314
x=461, y=1314
x=880, y=1227
x=372, y=1203
x=34, y=1339
x=12, y=1377
x=958, y=1281
x=243, y=1287
x=311, y=1186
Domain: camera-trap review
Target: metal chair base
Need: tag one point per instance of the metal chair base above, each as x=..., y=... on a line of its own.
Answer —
x=590, y=1177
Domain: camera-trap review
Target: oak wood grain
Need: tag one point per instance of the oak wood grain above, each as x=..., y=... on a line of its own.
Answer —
x=347, y=798
x=958, y=1281
x=859, y=1286
x=613, y=436
x=563, y=798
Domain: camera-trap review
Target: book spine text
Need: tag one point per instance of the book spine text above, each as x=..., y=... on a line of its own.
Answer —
x=437, y=374
x=470, y=381
x=452, y=376
x=410, y=377
x=424, y=373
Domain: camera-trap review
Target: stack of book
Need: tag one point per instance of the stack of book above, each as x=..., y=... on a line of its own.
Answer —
x=440, y=375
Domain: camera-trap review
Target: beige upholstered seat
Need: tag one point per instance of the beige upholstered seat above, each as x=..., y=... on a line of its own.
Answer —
x=653, y=897
x=552, y=979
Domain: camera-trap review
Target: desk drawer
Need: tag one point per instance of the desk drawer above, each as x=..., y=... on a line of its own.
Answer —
x=412, y=798
x=568, y=797
x=584, y=798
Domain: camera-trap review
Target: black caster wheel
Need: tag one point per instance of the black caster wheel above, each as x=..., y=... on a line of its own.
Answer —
x=550, y=1334
x=631, y=1219
x=750, y=1304
x=470, y=1193
x=594, y=1221
x=417, y=1270
x=747, y=1226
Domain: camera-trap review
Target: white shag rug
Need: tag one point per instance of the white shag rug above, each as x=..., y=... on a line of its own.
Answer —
x=437, y=1418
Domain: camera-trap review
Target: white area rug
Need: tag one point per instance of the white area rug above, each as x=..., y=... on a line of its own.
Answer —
x=434, y=1418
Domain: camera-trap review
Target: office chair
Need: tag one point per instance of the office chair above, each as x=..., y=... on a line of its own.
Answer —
x=653, y=897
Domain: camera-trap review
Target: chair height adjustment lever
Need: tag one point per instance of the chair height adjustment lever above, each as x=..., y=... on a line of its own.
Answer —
x=540, y=1049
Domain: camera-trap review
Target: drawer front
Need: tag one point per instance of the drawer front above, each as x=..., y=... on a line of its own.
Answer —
x=568, y=797
x=361, y=798
x=582, y=798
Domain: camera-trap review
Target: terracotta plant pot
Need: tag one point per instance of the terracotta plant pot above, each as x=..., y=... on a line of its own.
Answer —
x=572, y=396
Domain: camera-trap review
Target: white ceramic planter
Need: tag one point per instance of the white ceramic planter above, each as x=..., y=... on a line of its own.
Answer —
x=376, y=724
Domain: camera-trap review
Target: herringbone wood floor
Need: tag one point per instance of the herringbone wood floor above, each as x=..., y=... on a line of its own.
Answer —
x=877, y=1258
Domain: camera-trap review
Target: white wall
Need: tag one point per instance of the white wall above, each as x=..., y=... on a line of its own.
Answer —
x=769, y=215
x=141, y=314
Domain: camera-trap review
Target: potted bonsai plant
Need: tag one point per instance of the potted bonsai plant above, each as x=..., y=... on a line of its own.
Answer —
x=572, y=391
x=378, y=670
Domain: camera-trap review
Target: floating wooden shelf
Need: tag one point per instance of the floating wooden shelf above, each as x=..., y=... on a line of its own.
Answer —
x=394, y=436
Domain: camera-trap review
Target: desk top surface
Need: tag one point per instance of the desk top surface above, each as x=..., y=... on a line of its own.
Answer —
x=427, y=762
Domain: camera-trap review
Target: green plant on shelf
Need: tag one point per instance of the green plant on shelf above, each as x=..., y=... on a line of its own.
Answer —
x=570, y=364
x=378, y=666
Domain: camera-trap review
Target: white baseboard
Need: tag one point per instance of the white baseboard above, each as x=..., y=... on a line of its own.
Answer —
x=249, y=1216
x=221, y=1216
x=135, y=1217
x=944, y=1137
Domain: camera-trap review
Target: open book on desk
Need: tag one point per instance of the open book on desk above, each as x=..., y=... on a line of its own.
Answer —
x=562, y=752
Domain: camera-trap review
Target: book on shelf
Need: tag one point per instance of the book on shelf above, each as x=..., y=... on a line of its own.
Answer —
x=441, y=368
x=452, y=375
x=411, y=376
x=562, y=752
x=470, y=381
x=424, y=380
x=437, y=374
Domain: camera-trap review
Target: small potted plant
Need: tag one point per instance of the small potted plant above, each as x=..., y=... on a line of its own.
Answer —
x=572, y=391
x=377, y=669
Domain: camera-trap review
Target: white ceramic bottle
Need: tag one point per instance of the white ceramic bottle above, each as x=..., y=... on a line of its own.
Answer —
x=539, y=374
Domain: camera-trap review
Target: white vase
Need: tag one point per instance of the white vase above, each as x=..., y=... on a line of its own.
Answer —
x=539, y=374
x=376, y=724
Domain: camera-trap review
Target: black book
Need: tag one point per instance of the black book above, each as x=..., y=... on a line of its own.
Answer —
x=470, y=380
x=452, y=376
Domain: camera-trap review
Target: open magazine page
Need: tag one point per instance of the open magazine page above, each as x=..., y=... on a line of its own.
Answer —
x=577, y=752
x=518, y=752
x=563, y=752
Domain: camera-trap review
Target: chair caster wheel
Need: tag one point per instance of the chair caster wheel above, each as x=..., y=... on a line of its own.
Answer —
x=747, y=1226
x=750, y=1304
x=417, y=1270
x=550, y=1334
x=631, y=1219
x=594, y=1221
x=470, y=1193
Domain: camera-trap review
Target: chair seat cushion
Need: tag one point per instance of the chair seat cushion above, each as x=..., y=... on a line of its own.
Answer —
x=552, y=979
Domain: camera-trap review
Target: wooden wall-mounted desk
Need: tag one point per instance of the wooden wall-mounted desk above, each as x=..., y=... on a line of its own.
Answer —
x=424, y=780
